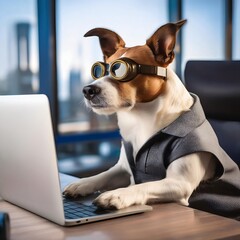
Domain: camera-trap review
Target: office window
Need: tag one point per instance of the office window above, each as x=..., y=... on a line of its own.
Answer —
x=203, y=35
x=88, y=158
x=76, y=54
x=19, y=47
x=236, y=30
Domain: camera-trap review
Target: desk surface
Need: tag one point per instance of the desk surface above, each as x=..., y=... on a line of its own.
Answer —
x=166, y=221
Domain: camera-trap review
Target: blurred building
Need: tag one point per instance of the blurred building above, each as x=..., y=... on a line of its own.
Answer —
x=21, y=80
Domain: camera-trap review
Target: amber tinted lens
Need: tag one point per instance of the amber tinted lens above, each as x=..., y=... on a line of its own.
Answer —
x=119, y=70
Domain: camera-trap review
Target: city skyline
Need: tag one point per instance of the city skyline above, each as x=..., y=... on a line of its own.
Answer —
x=202, y=39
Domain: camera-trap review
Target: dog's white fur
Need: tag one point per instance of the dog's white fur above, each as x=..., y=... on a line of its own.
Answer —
x=137, y=124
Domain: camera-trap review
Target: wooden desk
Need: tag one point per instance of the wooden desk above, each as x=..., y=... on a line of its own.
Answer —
x=166, y=221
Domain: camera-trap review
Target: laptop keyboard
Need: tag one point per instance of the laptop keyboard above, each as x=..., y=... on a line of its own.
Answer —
x=74, y=209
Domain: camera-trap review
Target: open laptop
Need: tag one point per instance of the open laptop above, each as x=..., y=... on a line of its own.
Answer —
x=29, y=175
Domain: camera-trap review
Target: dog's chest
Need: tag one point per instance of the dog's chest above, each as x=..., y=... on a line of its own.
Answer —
x=136, y=129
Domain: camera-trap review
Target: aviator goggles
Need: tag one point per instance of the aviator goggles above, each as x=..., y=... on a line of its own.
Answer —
x=125, y=69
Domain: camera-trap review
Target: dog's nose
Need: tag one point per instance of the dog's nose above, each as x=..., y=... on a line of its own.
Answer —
x=91, y=91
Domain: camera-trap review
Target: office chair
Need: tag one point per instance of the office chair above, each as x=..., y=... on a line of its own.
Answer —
x=217, y=83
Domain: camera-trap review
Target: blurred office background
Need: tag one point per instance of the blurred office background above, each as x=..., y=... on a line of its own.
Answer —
x=42, y=50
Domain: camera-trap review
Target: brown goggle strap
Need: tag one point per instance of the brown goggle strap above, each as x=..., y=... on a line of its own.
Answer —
x=153, y=70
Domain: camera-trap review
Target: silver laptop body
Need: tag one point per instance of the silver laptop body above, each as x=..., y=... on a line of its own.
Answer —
x=29, y=175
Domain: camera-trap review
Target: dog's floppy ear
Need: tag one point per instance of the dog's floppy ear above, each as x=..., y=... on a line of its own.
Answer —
x=162, y=42
x=110, y=41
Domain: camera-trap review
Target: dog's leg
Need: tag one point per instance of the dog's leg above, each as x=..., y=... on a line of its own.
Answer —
x=183, y=176
x=116, y=177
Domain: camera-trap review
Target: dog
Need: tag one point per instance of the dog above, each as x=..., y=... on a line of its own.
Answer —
x=169, y=151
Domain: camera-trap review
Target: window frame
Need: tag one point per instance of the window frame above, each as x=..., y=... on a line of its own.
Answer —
x=48, y=82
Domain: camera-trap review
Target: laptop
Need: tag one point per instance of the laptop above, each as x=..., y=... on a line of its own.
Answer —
x=29, y=176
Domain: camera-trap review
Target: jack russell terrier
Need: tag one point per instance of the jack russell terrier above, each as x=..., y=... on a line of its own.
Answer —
x=169, y=150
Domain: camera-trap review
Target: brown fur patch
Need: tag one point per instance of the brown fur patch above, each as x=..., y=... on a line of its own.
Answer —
x=144, y=88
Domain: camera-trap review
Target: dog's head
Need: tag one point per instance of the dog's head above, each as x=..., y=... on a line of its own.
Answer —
x=130, y=75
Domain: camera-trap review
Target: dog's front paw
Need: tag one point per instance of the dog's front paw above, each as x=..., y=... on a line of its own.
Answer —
x=81, y=188
x=120, y=198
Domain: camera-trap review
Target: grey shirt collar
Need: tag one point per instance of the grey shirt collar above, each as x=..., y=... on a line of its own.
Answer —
x=188, y=121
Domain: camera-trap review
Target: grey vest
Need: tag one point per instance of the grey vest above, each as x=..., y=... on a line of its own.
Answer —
x=190, y=133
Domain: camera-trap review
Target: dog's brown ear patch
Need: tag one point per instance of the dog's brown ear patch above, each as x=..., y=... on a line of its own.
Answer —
x=110, y=41
x=162, y=42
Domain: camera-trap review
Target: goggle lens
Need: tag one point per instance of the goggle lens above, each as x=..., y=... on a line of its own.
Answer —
x=97, y=71
x=119, y=70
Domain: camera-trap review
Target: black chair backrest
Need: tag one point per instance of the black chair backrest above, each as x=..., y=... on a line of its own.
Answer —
x=217, y=83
